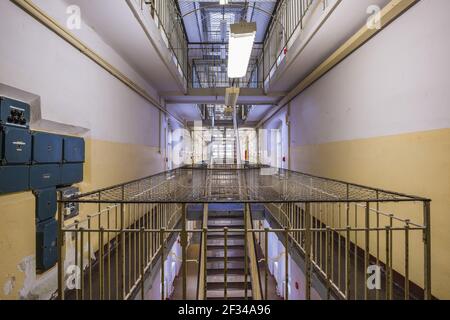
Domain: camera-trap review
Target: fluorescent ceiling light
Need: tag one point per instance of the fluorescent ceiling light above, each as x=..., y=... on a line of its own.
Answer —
x=223, y=2
x=242, y=37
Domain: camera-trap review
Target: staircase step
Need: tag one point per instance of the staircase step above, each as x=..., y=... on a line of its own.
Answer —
x=221, y=242
x=221, y=235
x=230, y=272
x=230, y=286
x=220, y=253
x=222, y=223
x=231, y=278
x=229, y=259
x=231, y=294
x=225, y=215
x=220, y=265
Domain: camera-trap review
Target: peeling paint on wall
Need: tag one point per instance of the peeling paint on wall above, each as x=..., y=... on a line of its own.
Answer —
x=43, y=286
x=37, y=287
x=8, y=287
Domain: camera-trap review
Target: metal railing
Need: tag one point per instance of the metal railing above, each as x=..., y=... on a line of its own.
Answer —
x=205, y=65
x=168, y=19
x=341, y=243
x=338, y=235
x=287, y=22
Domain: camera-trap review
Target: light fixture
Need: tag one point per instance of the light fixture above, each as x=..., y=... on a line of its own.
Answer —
x=242, y=37
x=223, y=2
x=231, y=96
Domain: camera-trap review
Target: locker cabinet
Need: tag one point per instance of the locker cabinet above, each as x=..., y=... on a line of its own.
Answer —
x=46, y=244
x=14, y=179
x=14, y=113
x=74, y=149
x=47, y=147
x=45, y=204
x=44, y=176
x=71, y=173
x=15, y=145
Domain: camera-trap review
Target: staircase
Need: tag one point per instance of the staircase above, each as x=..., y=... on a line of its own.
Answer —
x=215, y=262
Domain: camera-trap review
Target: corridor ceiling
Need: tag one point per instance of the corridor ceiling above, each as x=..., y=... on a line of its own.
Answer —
x=203, y=18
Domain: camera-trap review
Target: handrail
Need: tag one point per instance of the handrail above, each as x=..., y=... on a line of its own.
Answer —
x=290, y=15
x=201, y=281
x=251, y=251
x=172, y=27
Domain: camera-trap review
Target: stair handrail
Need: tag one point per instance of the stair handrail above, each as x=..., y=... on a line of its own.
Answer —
x=201, y=280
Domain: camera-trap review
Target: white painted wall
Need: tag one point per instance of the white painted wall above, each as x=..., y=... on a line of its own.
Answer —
x=297, y=279
x=398, y=82
x=73, y=89
x=323, y=33
x=172, y=266
x=268, y=152
x=102, y=43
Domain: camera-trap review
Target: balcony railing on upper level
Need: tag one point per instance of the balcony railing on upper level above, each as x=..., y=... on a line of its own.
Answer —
x=205, y=65
x=287, y=22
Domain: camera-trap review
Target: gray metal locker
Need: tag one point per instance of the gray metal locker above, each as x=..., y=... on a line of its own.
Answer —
x=45, y=204
x=71, y=173
x=14, y=179
x=44, y=176
x=74, y=149
x=46, y=244
x=15, y=145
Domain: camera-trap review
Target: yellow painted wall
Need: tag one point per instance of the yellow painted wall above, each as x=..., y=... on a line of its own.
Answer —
x=414, y=163
x=107, y=163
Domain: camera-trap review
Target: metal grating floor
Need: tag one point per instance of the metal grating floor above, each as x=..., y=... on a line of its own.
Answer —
x=239, y=185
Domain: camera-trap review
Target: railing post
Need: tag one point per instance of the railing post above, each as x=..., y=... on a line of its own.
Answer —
x=77, y=249
x=308, y=250
x=367, y=248
x=184, y=249
x=427, y=250
x=161, y=237
x=266, y=260
x=347, y=262
x=245, y=252
x=286, y=263
x=81, y=264
x=205, y=252
x=328, y=261
x=122, y=251
x=388, y=263
x=407, y=259
x=101, y=264
x=225, y=267
x=142, y=246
